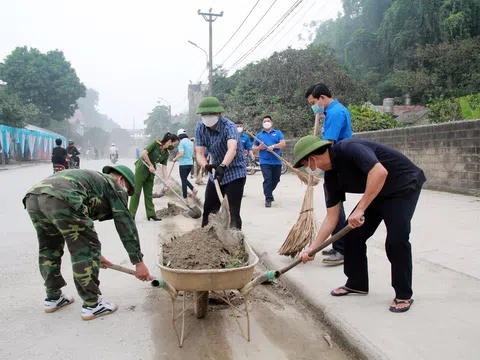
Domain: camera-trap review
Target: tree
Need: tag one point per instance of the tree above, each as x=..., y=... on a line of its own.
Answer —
x=277, y=85
x=156, y=125
x=45, y=80
x=14, y=113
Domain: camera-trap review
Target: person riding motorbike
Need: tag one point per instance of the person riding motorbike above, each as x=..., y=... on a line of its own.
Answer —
x=113, y=151
x=59, y=156
x=73, y=152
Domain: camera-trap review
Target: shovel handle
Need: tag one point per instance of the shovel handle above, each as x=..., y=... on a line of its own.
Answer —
x=123, y=270
x=320, y=247
x=163, y=180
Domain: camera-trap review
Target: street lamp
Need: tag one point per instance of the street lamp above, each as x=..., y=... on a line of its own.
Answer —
x=169, y=113
x=210, y=83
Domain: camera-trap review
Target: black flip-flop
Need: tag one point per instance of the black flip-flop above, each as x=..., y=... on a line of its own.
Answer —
x=348, y=291
x=396, y=301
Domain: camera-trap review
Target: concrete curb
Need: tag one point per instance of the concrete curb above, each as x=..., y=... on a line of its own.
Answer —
x=344, y=334
x=23, y=165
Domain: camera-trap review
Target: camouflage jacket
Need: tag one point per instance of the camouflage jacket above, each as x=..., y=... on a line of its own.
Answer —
x=97, y=196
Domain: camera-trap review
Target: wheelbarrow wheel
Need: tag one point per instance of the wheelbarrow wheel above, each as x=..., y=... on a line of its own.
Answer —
x=200, y=307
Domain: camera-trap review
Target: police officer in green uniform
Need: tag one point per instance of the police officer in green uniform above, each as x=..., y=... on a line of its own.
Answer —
x=63, y=208
x=156, y=152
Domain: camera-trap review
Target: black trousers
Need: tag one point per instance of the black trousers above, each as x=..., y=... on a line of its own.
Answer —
x=397, y=213
x=184, y=171
x=234, y=191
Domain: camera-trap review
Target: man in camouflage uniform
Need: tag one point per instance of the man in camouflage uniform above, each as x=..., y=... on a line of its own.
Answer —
x=62, y=208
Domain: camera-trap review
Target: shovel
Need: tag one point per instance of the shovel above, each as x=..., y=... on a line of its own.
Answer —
x=194, y=212
x=224, y=212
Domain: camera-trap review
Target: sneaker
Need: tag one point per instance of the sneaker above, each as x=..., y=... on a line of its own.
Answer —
x=335, y=259
x=268, y=203
x=331, y=251
x=54, y=305
x=102, y=308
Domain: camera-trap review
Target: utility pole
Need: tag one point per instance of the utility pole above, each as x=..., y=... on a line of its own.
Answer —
x=210, y=17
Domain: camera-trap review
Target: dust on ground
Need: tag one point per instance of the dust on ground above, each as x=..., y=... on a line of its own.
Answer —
x=205, y=248
x=172, y=209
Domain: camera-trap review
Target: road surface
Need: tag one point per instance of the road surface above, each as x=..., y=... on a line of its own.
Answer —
x=282, y=327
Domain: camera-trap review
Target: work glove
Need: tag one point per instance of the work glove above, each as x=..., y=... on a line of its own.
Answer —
x=210, y=167
x=219, y=172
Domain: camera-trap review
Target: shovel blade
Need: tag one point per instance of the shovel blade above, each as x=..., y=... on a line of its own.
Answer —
x=194, y=212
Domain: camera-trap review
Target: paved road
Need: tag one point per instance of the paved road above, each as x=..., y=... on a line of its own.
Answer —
x=282, y=328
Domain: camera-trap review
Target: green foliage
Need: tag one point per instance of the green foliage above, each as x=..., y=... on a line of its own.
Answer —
x=45, y=80
x=276, y=86
x=451, y=70
x=14, y=113
x=366, y=119
x=443, y=109
x=156, y=125
x=388, y=44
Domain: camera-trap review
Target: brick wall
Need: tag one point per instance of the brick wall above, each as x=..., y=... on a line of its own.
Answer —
x=449, y=153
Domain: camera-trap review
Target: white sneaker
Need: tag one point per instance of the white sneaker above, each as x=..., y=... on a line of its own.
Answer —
x=102, y=308
x=54, y=305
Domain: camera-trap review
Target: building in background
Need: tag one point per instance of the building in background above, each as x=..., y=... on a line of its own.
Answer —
x=195, y=93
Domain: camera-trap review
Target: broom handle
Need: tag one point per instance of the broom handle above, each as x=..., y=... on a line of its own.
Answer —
x=320, y=247
x=273, y=152
x=317, y=122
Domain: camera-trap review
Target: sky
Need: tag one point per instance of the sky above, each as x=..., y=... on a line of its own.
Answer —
x=136, y=52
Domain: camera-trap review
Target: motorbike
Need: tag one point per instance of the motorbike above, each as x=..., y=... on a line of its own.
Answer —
x=60, y=167
x=113, y=158
x=254, y=165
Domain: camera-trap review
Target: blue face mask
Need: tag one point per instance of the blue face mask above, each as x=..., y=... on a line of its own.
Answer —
x=317, y=109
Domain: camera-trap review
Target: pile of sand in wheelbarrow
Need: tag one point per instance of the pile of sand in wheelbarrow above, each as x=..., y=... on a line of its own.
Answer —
x=171, y=210
x=206, y=248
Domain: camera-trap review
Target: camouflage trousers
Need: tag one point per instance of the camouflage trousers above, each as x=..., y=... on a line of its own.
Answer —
x=57, y=223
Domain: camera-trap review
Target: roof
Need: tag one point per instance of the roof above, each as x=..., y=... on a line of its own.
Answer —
x=39, y=129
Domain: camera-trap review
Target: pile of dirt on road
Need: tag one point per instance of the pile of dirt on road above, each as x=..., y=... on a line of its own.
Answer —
x=206, y=248
x=171, y=210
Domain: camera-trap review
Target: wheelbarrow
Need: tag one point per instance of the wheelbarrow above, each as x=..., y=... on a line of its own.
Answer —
x=200, y=283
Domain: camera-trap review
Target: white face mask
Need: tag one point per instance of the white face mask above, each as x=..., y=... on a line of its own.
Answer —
x=315, y=172
x=240, y=130
x=209, y=120
x=267, y=125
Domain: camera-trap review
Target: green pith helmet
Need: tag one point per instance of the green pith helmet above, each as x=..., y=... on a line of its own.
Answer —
x=125, y=172
x=210, y=105
x=305, y=146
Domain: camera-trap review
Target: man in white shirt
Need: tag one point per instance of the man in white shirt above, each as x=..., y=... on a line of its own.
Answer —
x=113, y=149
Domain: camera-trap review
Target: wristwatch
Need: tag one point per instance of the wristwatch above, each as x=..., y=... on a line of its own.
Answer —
x=223, y=165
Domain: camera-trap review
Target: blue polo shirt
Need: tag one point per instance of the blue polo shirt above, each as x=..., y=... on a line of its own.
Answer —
x=216, y=143
x=246, y=142
x=337, y=125
x=187, y=147
x=271, y=138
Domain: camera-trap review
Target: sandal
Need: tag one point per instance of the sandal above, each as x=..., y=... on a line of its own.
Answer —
x=348, y=291
x=397, y=301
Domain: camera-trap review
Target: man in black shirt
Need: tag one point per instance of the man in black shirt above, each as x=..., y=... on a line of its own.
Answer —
x=73, y=151
x=390, y=184
x=59, y=154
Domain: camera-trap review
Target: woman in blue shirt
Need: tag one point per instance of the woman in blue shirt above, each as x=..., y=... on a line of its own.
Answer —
x=185, y=161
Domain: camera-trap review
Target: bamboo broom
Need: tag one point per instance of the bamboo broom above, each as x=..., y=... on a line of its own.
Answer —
x=305, y=178
x=305, y=229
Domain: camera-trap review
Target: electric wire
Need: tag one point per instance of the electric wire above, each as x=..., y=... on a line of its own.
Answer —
x=243, y=22
x=272, y=30
x=266, y=12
